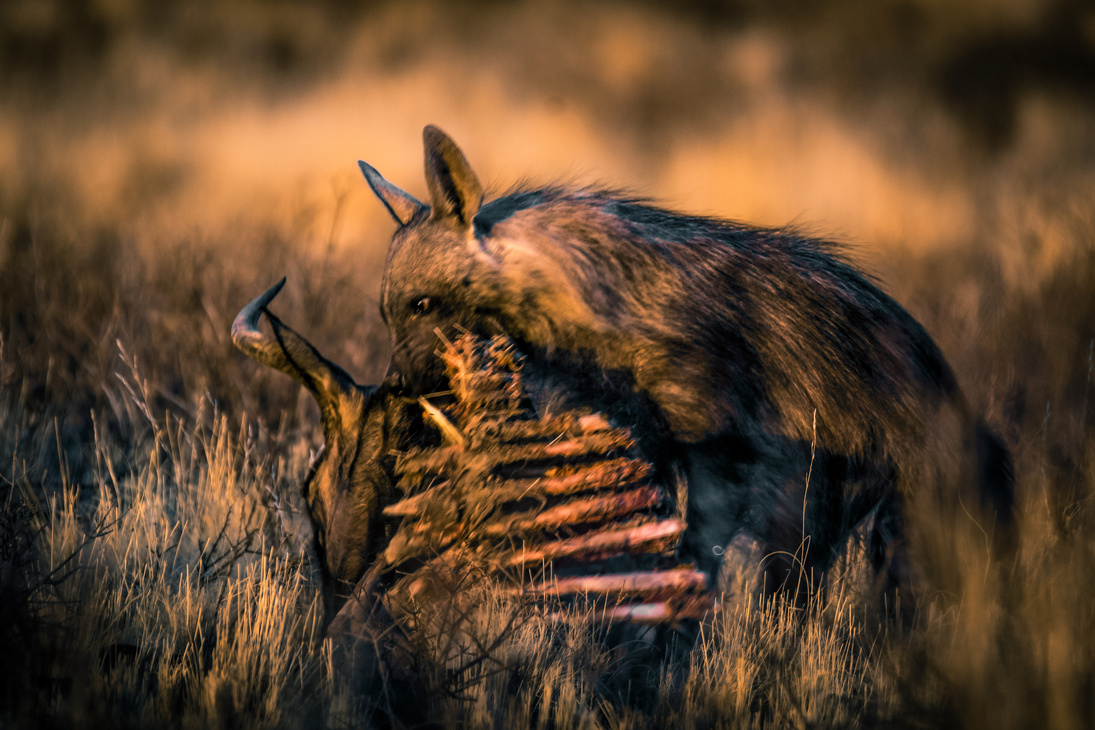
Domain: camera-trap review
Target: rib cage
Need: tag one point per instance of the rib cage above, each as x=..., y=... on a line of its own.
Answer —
x=563, y=507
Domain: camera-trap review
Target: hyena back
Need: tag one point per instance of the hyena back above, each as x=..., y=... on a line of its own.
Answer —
x=797, y=397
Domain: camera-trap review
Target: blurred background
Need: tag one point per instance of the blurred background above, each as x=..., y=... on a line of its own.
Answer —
x=163, y=163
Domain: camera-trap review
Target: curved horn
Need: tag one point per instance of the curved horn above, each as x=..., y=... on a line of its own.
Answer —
x=290, y=353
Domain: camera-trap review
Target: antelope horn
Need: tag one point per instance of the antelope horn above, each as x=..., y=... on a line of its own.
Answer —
x=290, y=353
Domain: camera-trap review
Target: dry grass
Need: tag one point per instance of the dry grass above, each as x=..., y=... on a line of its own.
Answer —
x=161, y=167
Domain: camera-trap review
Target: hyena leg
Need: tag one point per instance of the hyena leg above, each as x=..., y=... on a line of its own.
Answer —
x=716, y=510
x=737, y=489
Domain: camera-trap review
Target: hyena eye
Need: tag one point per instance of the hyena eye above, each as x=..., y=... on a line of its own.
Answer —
x=421, y=306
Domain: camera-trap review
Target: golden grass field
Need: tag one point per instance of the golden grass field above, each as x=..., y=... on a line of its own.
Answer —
x=163, y=166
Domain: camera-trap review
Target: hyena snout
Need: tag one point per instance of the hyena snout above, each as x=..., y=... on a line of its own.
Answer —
x=416, y=370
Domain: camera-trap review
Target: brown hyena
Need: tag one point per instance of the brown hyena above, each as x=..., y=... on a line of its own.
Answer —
x=798, y=398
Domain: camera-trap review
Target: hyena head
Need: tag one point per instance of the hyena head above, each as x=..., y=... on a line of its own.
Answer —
x=438, y=279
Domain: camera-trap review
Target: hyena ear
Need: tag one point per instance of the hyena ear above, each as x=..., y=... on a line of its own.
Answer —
x=454, y=189
x=402, y=205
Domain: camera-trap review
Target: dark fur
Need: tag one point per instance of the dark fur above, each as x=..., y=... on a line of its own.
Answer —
x=351, y=480
x=760, y=356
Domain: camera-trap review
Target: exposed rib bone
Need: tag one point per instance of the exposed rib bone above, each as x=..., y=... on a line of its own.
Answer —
x=648, y=537
x=445, y=458
x=650, y=584
x=671, y=611
x=566, y=480
x=578, y=512
x=509, y=431
x=419, y=503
